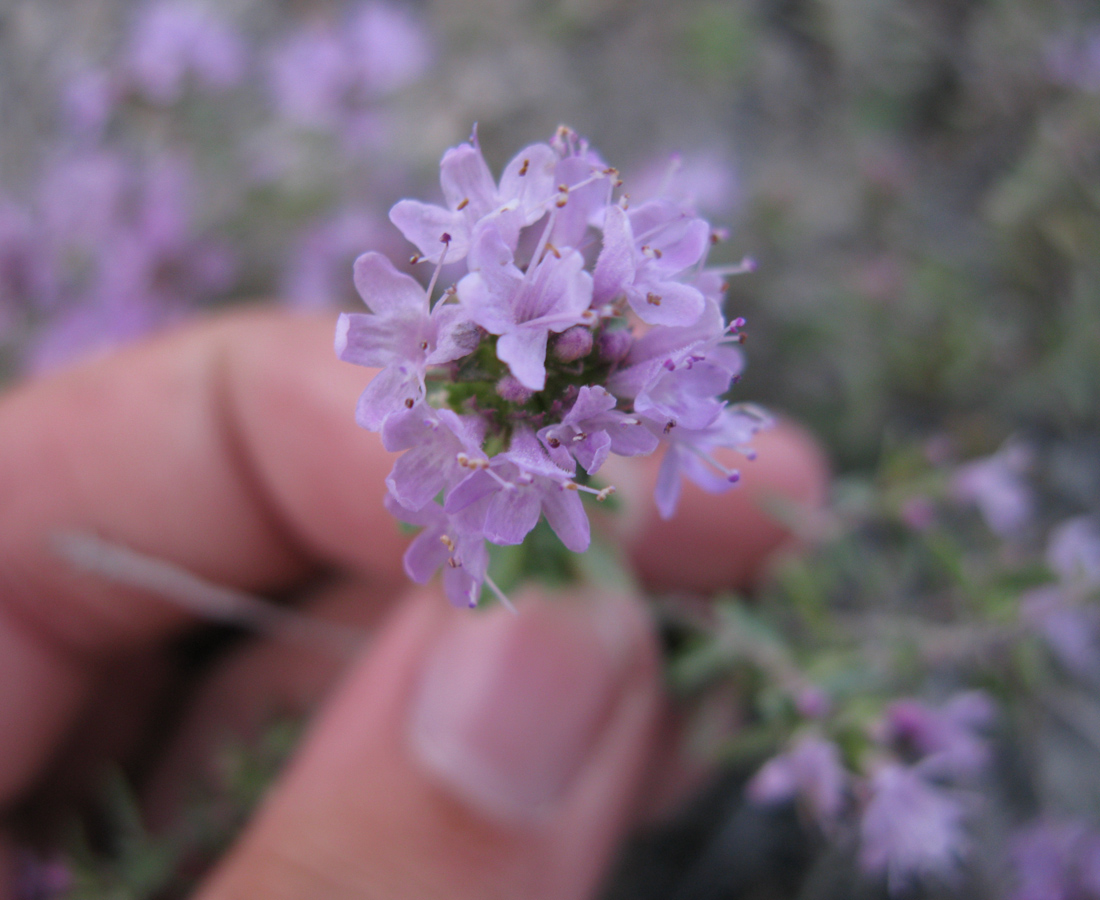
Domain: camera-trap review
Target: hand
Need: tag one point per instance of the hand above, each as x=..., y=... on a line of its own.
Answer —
x=462, y=754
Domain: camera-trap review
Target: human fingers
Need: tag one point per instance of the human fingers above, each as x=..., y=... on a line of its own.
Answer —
x=468, y=755
x=228, y=449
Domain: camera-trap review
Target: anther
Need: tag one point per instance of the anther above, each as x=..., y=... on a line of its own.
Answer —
x=414, y=259
x=423, y=345
x=579, y=436
x=554, y=443
x=446, y=541
x=605, y=493
x=652, y=299
x=524, y=167
x=554, y=250
x=465, y=202
x=409, y=403
x=445, y=238
x=453, y=563
x=669, y=426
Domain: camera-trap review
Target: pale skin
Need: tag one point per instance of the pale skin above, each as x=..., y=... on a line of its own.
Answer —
x=229, y=448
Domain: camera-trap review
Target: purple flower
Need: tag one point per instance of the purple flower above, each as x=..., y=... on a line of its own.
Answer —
x=525, y=191
x=995, y=485
x=1073, y=552
x=676, y=375
x=317, y=274
x=522, y=484
x=173, y=40
x=944, y=740
x=524, y=308
x=1056, y=861
x=1074, y=60
x=389, y=47
x=88, y=100
x=447, y=542
x=910, y=828
x=812, y=773
x=707, y=181
x=592, y=429
x=400, y=335
x=1071, y=629
x=327, y=76
x=644, y=253
x=690, y=454
x=37, y=879
x=526, y=377
x=441, y=446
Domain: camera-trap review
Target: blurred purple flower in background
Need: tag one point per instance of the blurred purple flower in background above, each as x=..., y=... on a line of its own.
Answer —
x=322, y=256
x=174, y=41
x=996, y=486
x=1073, y=60
x=121, y=252
x=911, y=828
x=330, y=75
x=943, y=741
x=809, y=772
x=1056, y=860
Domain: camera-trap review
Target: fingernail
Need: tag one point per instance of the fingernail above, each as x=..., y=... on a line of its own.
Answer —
x=511, y=706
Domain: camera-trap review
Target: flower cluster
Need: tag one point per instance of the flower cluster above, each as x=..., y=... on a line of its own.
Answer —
x=580, y=326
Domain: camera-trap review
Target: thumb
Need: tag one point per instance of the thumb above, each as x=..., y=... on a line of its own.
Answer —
x=467, y=755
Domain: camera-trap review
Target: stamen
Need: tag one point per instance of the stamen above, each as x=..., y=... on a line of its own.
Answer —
x=747, y=264
x=469, y=463
x=500, y=595
x=732, y=475
x=507, y=485
x=465, y=202
x=414, y=259
x=445, y=240
x=600, y=495
x=446, y=541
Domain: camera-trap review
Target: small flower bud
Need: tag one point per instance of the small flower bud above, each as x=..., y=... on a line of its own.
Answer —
x=509, y=388
x=573, y=344
x=615, y=345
